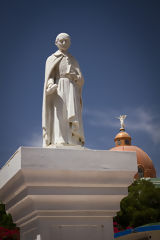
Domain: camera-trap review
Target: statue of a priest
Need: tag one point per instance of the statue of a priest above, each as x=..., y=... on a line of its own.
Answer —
x=62, y=98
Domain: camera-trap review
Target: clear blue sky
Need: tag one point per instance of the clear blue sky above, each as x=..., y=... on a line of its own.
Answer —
x=117, y=44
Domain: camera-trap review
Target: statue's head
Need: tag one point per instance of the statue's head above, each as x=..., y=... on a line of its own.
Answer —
x=63, y=41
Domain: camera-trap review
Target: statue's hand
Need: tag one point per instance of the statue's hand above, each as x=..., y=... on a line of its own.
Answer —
x=72, y=76
x=51, y=87
x=75, y=78
x=78, y=80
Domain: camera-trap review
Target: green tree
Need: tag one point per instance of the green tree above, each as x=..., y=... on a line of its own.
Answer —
x=141, y=206
x=5, y=219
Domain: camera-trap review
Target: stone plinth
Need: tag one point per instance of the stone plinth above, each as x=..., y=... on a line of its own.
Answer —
x=66, y=193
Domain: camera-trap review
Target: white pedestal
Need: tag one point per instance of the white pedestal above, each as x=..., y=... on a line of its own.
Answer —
x=66, y=194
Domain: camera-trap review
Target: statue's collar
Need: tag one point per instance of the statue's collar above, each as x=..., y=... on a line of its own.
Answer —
x=58, y=53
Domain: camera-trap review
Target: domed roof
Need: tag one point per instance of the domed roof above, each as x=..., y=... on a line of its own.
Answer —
x=123, y=143
x=144, y=162
x=122, y=134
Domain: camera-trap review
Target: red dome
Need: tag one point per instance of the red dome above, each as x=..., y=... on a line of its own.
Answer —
x=143, y=160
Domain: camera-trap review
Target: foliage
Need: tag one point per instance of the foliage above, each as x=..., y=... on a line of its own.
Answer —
x=141, y=206
x=9, y=234
x=118, y=228
x=8, y=230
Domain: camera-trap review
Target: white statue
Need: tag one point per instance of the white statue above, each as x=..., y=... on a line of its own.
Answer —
x=121, y=118
x=62, y=101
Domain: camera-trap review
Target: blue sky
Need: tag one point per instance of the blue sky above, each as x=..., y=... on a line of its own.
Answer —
x=117, y=44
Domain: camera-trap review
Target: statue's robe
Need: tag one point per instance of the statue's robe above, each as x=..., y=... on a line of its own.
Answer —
x=62, y=110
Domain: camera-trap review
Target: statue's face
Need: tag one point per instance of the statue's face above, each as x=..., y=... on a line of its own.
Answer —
x=63, y=43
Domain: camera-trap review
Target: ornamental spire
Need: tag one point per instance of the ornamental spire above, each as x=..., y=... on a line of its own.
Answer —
x=121, y=118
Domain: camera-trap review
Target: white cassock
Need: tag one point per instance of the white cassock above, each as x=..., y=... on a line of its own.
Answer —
x=62, y=110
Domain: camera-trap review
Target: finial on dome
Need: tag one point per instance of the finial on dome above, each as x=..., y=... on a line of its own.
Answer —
x=121, y=118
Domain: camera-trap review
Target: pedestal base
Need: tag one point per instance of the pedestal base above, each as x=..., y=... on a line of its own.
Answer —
x=66, y=193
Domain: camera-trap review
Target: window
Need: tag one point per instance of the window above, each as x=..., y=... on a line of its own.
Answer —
x=127, y=142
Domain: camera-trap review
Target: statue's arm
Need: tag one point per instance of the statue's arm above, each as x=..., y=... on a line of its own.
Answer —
x=50, y=86
x=78, y=76
x=80, y=80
